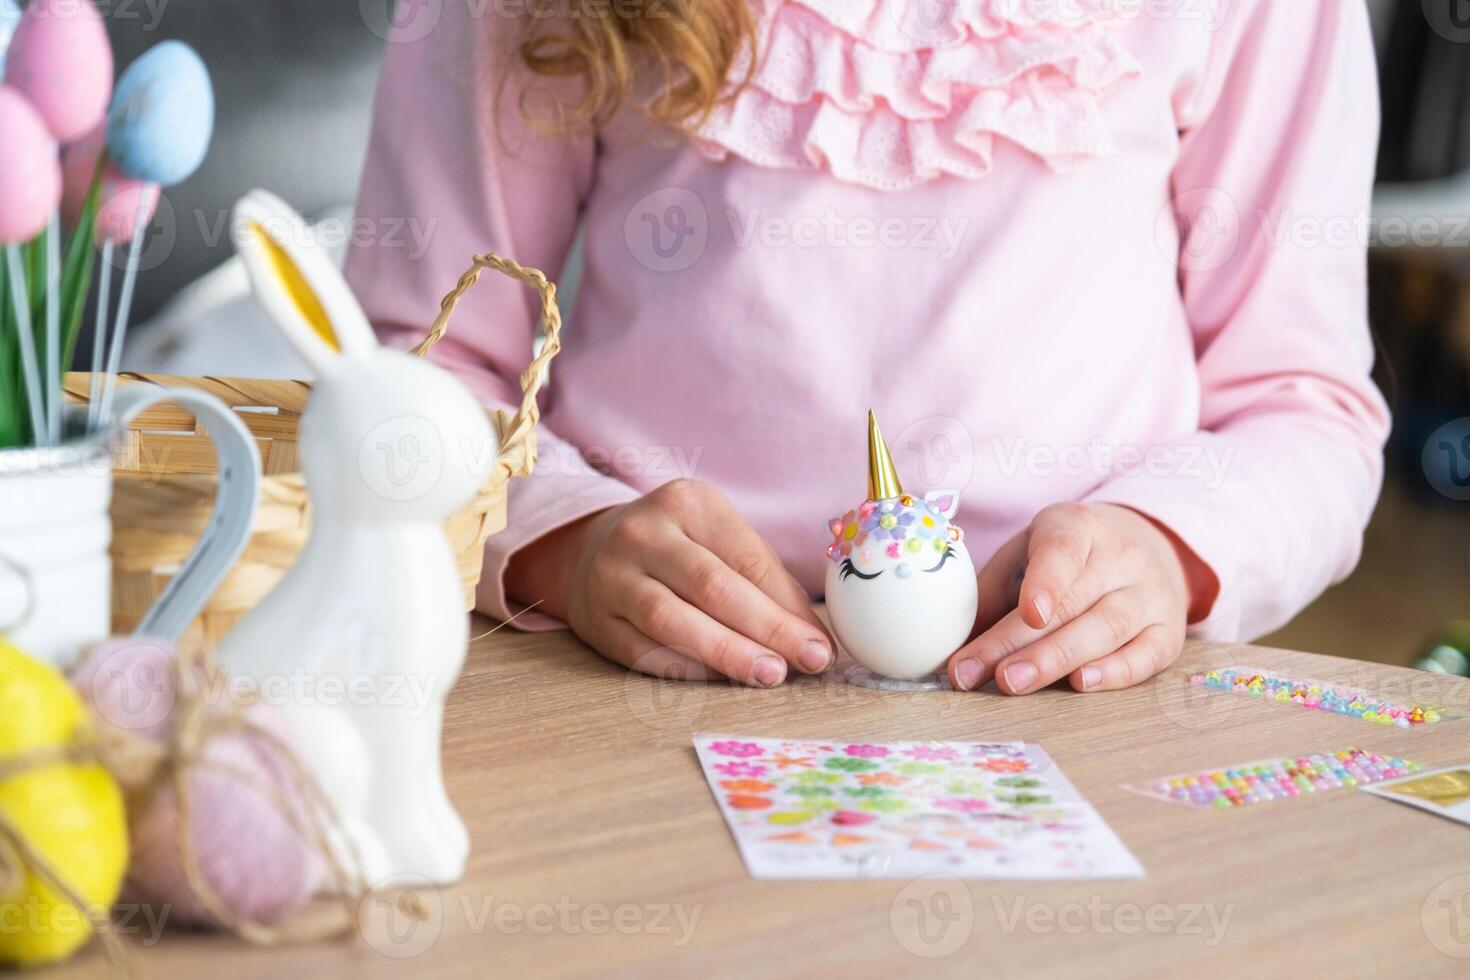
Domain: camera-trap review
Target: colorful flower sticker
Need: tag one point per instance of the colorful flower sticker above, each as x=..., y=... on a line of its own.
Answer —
x=850, y=764
x=1004, y=765
x=818, y=778
x=931, y=753
x=790, y=819
x=747, y=786
x=740, y=769
x=884, y=804
x=964, y=804
x=741, y=750
x=742, y=801
x=867, y=751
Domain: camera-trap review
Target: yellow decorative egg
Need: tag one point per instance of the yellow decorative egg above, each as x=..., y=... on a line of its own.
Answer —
x=72, y=815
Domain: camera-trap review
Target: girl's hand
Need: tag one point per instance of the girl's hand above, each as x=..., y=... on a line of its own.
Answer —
x=1096, y=593
x=676, y=584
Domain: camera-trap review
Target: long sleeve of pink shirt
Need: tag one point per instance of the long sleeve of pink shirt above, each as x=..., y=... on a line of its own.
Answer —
x=1101, y=260
x=1272, y=189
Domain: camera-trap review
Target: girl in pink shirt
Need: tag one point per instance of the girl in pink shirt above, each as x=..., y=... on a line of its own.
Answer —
x=1098, y=264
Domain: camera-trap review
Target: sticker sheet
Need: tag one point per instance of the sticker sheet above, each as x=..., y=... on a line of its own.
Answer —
x=835, y=809
x=1267, y=780
x=1445, y=792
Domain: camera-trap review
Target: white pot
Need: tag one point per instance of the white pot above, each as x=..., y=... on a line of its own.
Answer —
x=55, y=575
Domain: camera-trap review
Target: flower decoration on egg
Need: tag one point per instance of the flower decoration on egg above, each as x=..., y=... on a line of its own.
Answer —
x=901, y=589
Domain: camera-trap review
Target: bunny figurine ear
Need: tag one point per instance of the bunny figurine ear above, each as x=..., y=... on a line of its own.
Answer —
x=947, y=502
x=297, y=283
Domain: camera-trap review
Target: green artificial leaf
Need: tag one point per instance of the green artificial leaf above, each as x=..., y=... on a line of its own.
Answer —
x=76, y=273
x=11, y=397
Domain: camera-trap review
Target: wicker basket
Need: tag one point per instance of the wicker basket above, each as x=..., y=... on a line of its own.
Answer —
x=165, y=477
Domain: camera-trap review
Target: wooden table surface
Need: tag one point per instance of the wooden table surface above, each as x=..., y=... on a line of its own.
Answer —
x=598, y=849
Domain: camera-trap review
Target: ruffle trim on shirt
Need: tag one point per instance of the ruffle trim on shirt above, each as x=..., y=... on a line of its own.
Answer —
x=879, y=96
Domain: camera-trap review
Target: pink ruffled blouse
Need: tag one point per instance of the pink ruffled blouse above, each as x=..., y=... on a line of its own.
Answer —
x=1098, y=250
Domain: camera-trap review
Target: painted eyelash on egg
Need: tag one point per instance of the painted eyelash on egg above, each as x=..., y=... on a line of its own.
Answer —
x=846, y=569
x=948, y=554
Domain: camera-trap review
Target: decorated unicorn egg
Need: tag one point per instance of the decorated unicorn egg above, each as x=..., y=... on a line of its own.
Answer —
x=901, y=589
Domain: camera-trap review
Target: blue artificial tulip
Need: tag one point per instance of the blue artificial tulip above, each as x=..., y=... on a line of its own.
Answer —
x=162, y=116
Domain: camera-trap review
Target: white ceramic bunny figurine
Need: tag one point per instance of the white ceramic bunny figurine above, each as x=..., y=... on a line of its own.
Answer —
x=365, y=635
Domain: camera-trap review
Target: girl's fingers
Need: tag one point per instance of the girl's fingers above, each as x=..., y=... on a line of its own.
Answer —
x=1139, y=659
x=701, y=579
x=623, y=644
x=1057, y=550
x=663, y=617
x=973, y=665
x=1000, y=582
x=709, y=520
x=1110, y=624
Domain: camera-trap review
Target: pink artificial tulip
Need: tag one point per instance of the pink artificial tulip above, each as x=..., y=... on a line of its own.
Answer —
x=78, y=167
x=61, y=60
x=124, y=202
x=30, y=170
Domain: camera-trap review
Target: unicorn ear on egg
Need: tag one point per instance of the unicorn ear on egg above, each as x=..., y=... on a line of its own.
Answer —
x=947, y=502
x=297, y=283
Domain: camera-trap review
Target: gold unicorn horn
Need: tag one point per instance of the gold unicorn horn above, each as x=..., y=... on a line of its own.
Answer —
x=882, y=477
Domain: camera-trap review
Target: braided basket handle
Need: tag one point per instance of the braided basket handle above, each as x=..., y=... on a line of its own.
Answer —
x=519, y=433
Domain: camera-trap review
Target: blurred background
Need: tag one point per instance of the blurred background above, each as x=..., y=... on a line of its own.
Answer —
x=295, y=84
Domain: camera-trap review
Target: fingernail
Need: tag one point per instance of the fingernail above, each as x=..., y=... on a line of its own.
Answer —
x=1042, y=604
x=1019, y=677
x=769, y=671
x=967, y=674
x=1091, y=677
x=815, y=656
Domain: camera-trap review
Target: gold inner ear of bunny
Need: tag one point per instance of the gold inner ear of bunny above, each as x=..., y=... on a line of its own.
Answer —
x=297, y=288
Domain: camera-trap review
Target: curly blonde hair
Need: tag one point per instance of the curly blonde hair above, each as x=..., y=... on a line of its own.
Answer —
x=669, y=60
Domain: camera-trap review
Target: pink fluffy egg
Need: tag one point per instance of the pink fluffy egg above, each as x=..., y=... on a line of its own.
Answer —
x=248, y=850
x=61, y=60
x=30, y=170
